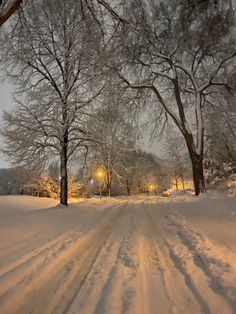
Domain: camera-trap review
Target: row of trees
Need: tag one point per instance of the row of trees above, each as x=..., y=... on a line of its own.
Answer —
x=133, y=173
x=82, y=67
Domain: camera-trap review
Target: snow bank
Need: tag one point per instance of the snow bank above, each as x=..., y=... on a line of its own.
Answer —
x=24, y=202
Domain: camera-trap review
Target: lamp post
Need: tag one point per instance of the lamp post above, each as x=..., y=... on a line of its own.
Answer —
x=152, y=188
x=99, y=176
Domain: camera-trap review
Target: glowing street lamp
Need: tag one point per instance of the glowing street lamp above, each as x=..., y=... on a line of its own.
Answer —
x=99, y=177
x=151, y=188
x=99, y=174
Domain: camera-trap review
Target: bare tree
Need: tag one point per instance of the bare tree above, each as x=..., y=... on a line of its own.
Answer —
x=139, y=171
x=52, y=57
x=177, y=52
x=176, y=156
x=114, y=134
x=130, y=170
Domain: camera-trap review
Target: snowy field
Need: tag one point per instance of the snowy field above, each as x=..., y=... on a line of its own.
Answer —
x=145, y=255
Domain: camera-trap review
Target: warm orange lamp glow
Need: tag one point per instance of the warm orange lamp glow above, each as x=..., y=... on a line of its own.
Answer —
x=99, y=174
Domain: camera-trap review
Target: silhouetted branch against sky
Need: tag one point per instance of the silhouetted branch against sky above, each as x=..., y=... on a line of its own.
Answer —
x=9, y=9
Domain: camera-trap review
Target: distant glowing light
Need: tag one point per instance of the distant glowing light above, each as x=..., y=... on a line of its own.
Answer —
x=99, y=174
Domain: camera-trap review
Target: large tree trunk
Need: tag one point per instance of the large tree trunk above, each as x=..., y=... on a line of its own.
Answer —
x=198, y=175
x=64, y=177
x=64, y=160
x=197, y=164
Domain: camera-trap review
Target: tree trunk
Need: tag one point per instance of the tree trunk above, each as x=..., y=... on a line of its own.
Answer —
x=197, y=164
x=108, y=183
x=128, y=187
x=198, y=175
x=183, y=184
x=176, y=182
x=64, y=177
x=64, y=160
x=64, y=157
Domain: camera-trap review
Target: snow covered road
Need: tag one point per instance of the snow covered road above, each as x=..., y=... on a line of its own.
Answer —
x=117, y=256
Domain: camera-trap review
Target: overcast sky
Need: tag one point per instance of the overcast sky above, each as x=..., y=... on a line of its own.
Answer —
x=6, y=103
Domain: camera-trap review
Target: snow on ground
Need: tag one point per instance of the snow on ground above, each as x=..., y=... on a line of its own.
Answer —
x=138, y=255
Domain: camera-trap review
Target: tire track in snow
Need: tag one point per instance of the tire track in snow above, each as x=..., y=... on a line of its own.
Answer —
x=102, y=292
x=206, y=257
x=195, y=278
x=47, y=243
x=35, y=271
x=179, y=297
x=72, y=281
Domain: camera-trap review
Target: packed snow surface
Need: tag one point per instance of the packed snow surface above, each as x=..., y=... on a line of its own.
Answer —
x=138, y=255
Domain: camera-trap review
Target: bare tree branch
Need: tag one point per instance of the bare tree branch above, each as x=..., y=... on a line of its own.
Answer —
x=106, y=5
x=9, y=10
